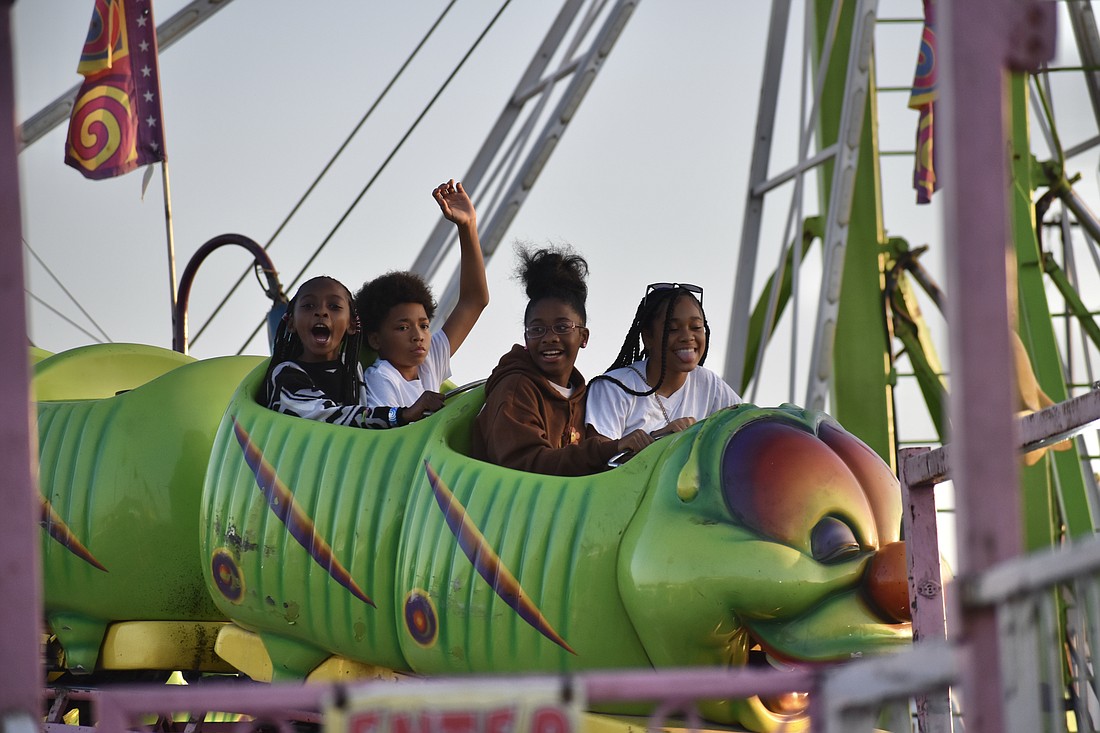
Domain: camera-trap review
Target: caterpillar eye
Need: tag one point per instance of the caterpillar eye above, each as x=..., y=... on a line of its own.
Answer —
x=785, y=483
x=833, y=541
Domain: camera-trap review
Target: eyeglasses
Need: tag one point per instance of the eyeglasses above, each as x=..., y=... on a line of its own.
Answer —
x=693, y=289
x=560, y=328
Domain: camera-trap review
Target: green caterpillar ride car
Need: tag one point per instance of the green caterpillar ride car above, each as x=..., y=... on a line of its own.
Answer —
x=179, y=514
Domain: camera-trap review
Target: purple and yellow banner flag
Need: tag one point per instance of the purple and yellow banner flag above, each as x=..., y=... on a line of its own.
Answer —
x=923, y=99
x=116, y=123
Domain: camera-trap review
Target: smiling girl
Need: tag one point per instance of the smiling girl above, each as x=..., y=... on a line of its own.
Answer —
x=533, y=419
x=661, y=385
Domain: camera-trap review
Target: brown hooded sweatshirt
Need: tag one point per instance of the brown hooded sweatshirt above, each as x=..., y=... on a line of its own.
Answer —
x=528, y=425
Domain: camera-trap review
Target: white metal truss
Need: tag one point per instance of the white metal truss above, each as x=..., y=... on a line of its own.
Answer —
x=509, y=162
x=844, y=154
x=856, y=92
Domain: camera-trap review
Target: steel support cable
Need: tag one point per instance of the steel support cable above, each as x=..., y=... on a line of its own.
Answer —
x=1033, y=95
x=332, y=160
x=66, y=291
x=62, y=316
x=1060, y=181
x=1069, y=267
x=390, y=157
x=1048, y=113
x=1073, y=276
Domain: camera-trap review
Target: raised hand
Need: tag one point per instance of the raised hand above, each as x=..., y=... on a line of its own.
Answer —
x=455, y=203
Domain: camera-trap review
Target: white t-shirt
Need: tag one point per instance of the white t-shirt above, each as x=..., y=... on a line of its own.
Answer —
x=386, y=386
x=614, y=412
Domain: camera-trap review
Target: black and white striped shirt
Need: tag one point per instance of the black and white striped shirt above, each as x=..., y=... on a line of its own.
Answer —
x=309, y=390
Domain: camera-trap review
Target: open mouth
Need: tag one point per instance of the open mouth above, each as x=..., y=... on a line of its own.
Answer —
x=787, y=703
x=321, y=333
x=552, y=354
x=745, y=650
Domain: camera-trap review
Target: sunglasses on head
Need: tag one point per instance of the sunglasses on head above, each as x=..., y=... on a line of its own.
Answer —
x=693, y=289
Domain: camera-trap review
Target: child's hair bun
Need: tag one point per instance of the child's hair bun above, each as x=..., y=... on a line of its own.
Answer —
x=556, y=272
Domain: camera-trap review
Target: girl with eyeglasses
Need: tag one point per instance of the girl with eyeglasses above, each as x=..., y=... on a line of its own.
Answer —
x=533, y=418
x=658, y=382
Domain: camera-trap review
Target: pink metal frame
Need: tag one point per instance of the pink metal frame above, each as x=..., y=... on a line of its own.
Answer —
x=20, y=633
x=981, y=38
x=676, y=689
x=926, y=596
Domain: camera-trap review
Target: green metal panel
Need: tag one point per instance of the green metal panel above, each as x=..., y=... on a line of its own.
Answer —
x=1036, y=328
x=912, y=331
x=862, y=389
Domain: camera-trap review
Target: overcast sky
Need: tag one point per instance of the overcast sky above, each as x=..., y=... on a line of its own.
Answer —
x=648, y=183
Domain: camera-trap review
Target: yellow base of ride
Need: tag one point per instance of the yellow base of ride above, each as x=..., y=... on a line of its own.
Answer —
x=163, y=645
x=245, y=651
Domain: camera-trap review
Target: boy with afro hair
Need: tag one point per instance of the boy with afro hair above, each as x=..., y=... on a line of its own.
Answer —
x=397, y=309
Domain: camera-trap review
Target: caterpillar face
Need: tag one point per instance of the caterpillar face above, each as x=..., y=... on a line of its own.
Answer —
x=755, y=545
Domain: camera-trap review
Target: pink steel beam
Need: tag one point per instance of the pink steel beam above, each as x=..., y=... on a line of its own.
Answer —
x=116, y=707
x=1037, y=430
x=926, y=599
x=20, y=671
x=980, y=39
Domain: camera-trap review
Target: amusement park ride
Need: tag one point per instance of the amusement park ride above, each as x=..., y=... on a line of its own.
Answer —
x=186, y=528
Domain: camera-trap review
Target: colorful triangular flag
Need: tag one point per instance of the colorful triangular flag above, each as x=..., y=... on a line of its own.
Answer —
x=116, y=123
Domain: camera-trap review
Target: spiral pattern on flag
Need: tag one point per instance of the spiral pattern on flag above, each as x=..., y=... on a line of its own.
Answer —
x=924, y=171
x=116, y=122
x=106, y=42
x=924, y=78
x=923, y=98
x=102, y=134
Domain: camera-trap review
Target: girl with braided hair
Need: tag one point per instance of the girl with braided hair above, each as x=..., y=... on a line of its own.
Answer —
x=533, y=418
x=314, y=370
x=658, y=382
